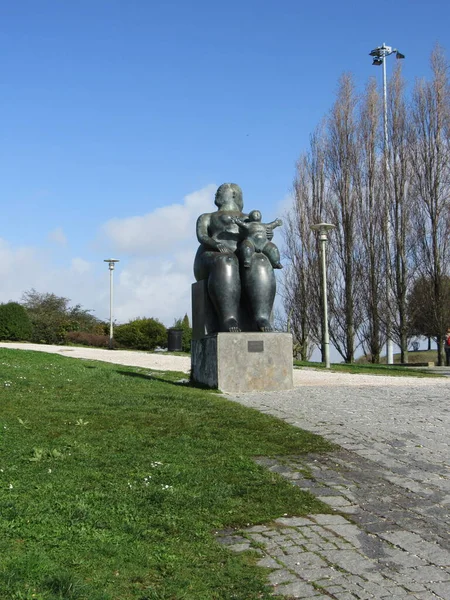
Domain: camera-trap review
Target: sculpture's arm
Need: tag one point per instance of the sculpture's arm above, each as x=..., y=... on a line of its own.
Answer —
x=203, y=234
x=274, y=224
x=240, y=222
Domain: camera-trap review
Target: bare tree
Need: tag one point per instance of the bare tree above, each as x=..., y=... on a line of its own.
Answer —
x=401, y=234
x=341, y=162
x=431, y=168
x=370, y=221
x=301, y=282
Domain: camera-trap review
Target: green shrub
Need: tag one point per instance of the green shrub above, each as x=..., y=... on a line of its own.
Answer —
x=15, y=324
x=88, y=339
x=141, y=334
x=52, y=317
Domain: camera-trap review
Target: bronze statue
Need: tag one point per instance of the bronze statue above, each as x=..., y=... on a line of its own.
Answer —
x=231, y=287
x=257, y=239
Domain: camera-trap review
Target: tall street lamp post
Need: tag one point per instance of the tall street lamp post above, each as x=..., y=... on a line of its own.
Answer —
x=379, y=59
x=111, y=262
x=323, y=228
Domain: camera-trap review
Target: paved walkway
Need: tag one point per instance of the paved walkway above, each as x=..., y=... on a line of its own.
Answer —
x=388, y=485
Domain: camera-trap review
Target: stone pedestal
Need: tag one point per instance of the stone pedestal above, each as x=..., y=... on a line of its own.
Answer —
x=243, y=362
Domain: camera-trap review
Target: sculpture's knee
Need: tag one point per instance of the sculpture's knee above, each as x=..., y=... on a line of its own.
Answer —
x=228, y=260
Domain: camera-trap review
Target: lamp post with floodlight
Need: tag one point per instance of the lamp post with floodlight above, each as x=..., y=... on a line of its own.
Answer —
x=111, y=262
x=379, y=59
x=323, y=228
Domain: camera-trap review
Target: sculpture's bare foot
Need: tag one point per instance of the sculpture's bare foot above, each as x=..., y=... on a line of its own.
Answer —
x=277, y=266
x=232, y=326
x=264, y=325
x=246, y=264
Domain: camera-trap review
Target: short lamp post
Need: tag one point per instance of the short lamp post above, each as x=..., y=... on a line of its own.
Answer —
x=323, y=228
x=111, y=262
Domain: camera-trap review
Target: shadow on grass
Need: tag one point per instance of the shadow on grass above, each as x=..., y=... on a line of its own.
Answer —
x=184, y=382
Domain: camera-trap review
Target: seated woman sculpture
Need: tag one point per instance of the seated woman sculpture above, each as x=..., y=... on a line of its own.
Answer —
x=256, y=239
x=217, y=263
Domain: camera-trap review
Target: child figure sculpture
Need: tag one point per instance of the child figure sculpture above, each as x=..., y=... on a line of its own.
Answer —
x=256, y=239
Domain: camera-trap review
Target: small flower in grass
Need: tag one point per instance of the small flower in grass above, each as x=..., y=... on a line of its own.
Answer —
x=7, y=383
x=147, y=480
x=129, y=485
x=49, y=471
x=155, y=464
x=166, y=487
x=11, y=486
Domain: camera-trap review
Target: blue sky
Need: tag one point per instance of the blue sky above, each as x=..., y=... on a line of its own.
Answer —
x=121, y=117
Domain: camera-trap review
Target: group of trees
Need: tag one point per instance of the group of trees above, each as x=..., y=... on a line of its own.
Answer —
x=388, y=258
x=45, y=318
x=49, y=319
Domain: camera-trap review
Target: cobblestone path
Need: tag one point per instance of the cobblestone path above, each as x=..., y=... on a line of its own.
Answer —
x=388, y=486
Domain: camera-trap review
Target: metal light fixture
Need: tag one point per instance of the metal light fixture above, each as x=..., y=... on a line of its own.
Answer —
x=323, y=229
x=380, y=53
x=111, y=262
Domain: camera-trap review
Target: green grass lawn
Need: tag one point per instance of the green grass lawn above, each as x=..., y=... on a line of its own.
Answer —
x=114, y=479
x=370, y=369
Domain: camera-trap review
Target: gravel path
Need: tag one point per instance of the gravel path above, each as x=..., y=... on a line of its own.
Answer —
x=131, y=358
x=168, y=362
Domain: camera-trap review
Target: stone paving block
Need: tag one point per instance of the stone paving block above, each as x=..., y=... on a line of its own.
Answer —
x=425, y=596
x=281, y=576
x=257, y=529
x=298, y=589
x=242, y=547
x=426, y=574
x=333, y=589
x=349, y=560
x=347, y=531
x=403, y=539
x=442, y=590
x=269, y=563
x=304, y=560
x=258, y=538
x=293, y=550
x=432, y=553
x=403, y=558
x=294, y=521
x=406, y=582
x=330, y=519
x=335, y=501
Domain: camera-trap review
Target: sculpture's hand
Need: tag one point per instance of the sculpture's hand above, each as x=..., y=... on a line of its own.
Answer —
x=223, y=249
x=269, y=233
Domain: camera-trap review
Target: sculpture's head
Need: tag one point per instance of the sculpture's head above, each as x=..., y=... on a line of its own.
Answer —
x=254, y=215
x=229, y=193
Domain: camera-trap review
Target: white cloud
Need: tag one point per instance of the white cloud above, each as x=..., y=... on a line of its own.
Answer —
x=148, y=288
x=80, y=266
x=58, y=236
x=157, y=277
x=152, y=279
x=285, y=205
x=162, y=230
